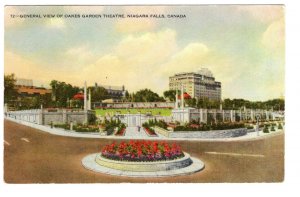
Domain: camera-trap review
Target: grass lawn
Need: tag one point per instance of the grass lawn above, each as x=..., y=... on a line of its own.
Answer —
x=154, y=111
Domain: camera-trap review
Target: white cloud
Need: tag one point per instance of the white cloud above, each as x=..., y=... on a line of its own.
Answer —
x=274, y=37
x=263, y=13
x=135, y=61
x=82, y=53
x=128, y=25
x=56, y=23
x=189, y=59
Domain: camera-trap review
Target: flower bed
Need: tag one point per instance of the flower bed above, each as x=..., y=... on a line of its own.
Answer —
x=208, y=127
x=150, y=131
x=121, y=132
x=142, y=151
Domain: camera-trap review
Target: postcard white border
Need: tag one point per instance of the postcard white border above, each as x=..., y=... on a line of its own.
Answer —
x=288, y=187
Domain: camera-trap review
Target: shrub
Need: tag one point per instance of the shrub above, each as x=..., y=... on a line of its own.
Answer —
x=266, y=129
x=250, y=127
x=207, y=127
x=279, y=126
x=63, y=126
x=272, y=128
x=121, y=130
x=84, y=128
x=148, y=129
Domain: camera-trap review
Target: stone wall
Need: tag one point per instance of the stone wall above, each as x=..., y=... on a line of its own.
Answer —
x=209, y=134
x=162, y=131
x=141, y=105
x=202, y=134
x=57, y=116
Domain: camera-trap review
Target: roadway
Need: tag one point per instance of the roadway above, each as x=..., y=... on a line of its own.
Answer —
x=34, y=156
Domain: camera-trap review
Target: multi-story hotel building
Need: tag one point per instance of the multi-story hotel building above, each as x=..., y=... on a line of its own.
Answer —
x=200, y=84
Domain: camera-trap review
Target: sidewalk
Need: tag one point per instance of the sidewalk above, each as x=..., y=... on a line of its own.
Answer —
x=132, y=133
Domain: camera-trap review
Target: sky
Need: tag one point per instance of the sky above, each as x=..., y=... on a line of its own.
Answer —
x=243, y=46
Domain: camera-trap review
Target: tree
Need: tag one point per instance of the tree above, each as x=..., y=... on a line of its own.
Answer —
x=191, y=102
x=170, y=94
x=10, y=92
x=146, y=95
x=276, y=104
x=98, y=93
x=62, y=91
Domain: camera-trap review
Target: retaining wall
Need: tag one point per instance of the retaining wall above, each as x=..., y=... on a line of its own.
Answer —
x=45, y=117
x=202, y=134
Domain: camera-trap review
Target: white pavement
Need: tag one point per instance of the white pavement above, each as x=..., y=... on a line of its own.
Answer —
x=133, y=132
x=142, y=135
x=90, y=163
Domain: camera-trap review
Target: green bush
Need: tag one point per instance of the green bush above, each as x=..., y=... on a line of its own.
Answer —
x=250, y=127
x=207, y=127
x=266, y=130
x=152, y=123
x=63, y=126
x=112, y=124
x=279, y=126
x=82, y=128
x=272, y=128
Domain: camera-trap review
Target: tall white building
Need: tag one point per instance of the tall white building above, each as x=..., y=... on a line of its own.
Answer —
x=200, y=84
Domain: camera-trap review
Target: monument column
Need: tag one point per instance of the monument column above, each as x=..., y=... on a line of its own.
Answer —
x=85, y=97
x=85, y=105
x=201, y=115
x=90, y=100
x=182, y=98
x=176, y=99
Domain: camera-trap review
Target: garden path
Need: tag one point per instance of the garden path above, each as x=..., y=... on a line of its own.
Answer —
x=133, y=132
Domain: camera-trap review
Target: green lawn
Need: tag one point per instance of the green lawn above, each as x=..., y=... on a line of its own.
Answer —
x=154, y=111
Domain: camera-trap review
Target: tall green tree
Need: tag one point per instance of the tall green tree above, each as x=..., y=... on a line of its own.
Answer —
x=170, y=94
x=98, y=93
x=10, y=93
x=146, y=95
x=61, y=92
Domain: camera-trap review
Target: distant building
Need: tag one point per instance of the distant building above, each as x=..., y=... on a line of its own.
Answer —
x=200, y=84
x=114, y=92
x=25, y=88
x=32, y=91
x=24, y=82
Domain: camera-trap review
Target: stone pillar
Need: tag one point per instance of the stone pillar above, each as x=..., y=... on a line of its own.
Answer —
x=90, y=100
x=71, y=125
x=252, y=115
x=40, y=117
x=215, y=115
x=223, y=115
x=232, y=115
x=64, y=116
x=85, y=99
x=201, y=115
x=241, y=115
x=267, y=115
x=176, y=99
x=182, y=98
x=205, y=116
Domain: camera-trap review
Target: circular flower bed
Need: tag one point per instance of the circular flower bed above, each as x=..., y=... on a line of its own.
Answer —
x=142, y=151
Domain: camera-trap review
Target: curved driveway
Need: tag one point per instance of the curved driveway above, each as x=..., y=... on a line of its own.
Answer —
x=34, y=156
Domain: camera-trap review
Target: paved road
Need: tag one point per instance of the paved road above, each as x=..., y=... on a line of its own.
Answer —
x=33, y=156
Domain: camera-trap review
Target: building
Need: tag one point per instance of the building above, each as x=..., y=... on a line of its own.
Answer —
x=114, y=92
x=200, y=84
x=25, y=88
